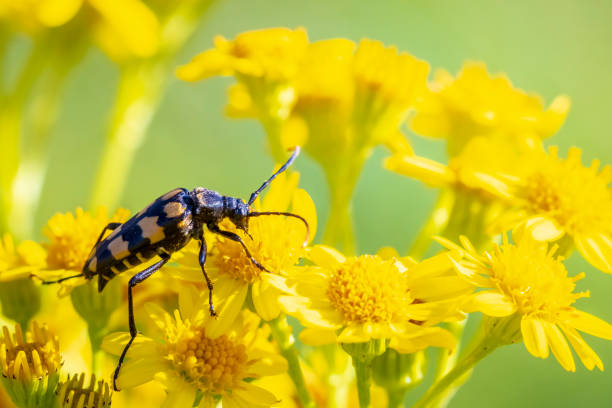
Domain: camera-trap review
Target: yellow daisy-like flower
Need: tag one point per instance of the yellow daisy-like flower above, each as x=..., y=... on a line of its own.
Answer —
x=126, y=25
x=276, y=243
x=354, y=300
x=74, y=393
x=556, y=197
x=71, y=238
x=18, y=261
x=218, y=357
x=527, y=281
x=476, y=103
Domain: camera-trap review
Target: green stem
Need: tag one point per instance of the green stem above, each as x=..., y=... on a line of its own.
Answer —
x=436, y=222
x=363, y=373
x=447, y=360
x=281, y=331
x=444, y=388
x=396, y=398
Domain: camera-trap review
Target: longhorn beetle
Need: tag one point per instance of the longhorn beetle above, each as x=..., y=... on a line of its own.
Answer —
x=164, y=227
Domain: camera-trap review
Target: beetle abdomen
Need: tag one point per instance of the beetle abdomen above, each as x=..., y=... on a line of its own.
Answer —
x=163, y=227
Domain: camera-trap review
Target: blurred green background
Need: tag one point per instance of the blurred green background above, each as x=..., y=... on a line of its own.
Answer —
x=548, y=47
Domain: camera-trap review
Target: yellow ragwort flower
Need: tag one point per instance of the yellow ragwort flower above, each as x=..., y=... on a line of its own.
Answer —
x=556, y=197
x=277, y=244
x=18, y=262
x=354, y=300
x=218, y=357
x=527, y=281
x=28, y=357
x=71, y=238
x=476, y=103
x=73, y=393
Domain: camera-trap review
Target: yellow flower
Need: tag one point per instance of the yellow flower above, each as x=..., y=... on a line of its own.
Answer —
x=30, y=366
x=18, y=262
x=526, y=281
x=71, y=238
x=277, y=244
x=554, y=197
x=119, y=26
x=354, y=300
x=476, y=103
x=73, y=393
x=218, y=357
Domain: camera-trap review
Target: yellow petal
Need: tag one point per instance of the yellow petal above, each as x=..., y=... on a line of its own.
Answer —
x=423, y=338
x=325, y=256
x=142, y=346
x=544, y=229
x=442, y=288
x=559, y=346
x=267, y=364
x=135, y=372
x=586, y=354
x=428, y=171
x=265, y=299
x=317, y=336
x=303, y=205
x=493, y=304
x=53, y=13
x=534, y=336
x=252, y=396
x=353, y=334
x=233, y=292
x=180, y=397
x=588, y=323
x=597, y=250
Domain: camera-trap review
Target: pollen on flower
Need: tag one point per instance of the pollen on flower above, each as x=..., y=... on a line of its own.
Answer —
x=73, y=393
x=276, y=244
x=369, y=289
x=535, y=279
x=577, y=197
x=34, y=355
x=214, y=365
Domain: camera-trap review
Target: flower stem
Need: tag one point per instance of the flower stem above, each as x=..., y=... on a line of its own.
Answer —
x=363, y=373
x=281, y=331
x=444, y=388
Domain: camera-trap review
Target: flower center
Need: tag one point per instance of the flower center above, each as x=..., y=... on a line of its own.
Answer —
x=73, y=393
x=536, y=280
x=33, y=357
x=276, y=244
x=576, y=197
x=213, y=364
x=369, y=289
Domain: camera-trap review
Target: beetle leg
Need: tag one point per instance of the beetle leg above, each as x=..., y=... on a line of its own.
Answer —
x=202, y=259
x=135, y=280
x=234, y=237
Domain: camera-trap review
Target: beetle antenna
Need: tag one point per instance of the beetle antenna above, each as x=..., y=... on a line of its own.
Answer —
x=44, y=282
x=287, y=214
x=296, y=151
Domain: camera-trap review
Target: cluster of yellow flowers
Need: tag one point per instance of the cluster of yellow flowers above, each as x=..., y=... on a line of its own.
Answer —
x=509, y=212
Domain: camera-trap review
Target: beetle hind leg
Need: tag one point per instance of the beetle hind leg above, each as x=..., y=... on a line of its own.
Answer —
x=202, y=260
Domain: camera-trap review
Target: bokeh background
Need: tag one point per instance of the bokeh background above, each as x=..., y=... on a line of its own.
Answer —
x=549, y=47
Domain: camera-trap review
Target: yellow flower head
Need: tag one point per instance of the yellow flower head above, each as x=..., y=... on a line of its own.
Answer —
x=18, y=262
x=73, y=393
x=526, y=280
x=271, y=54
x=218, y=357
x=353, y=300
x=476, y=103
x=276, y=243
x=555, y=196
x=29, y=357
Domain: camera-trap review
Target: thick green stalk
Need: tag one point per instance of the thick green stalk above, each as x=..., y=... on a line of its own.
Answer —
x=363, y=373
x=281, y=331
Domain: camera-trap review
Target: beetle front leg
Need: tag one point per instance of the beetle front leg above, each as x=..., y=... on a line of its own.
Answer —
x=202, y=259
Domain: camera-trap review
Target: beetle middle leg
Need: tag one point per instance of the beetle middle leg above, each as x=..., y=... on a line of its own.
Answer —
x=135, y=280
x=235, y=237
x=202, y=259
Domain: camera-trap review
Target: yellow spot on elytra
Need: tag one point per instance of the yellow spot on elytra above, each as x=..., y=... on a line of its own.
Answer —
x=118, y=248
x=151, y=230
x=93, y=263
x=174, y=209
x=170, y=194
